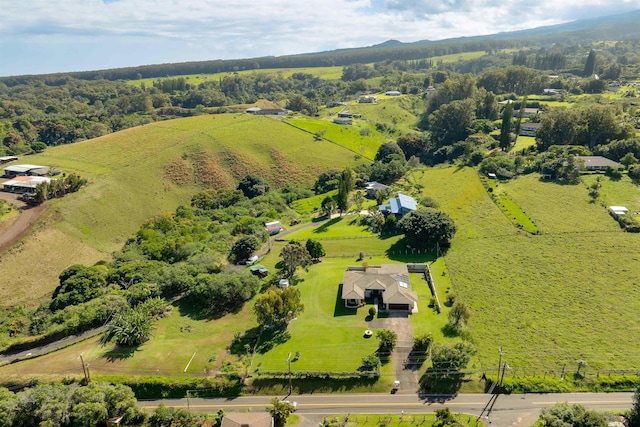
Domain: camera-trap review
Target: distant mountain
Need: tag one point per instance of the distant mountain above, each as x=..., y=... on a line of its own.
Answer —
x=614, y=27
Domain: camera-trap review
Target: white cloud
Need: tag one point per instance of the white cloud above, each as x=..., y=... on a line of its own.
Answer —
x=210, y=29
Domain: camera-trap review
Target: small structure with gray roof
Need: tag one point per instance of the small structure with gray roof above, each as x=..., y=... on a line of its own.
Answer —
x=247, y=419
x=386, y=285
x=26, y=170
x=399, y=206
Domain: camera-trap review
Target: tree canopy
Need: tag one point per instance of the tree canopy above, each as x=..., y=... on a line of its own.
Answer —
x=427, y=227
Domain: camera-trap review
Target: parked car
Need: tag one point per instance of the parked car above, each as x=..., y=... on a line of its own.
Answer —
x=252, y=259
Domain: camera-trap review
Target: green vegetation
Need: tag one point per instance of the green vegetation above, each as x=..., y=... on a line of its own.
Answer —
x=351, y=137
x=393, y=420
x=164, y=165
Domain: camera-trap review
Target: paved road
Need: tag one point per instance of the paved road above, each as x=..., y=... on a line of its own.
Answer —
x=508, y=410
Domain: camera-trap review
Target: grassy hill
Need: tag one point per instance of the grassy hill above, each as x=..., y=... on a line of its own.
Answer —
x=143, y=171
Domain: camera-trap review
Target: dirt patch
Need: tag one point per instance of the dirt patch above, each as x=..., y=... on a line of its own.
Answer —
x=210, y=173
x=179, y=172
x=241, y=164
x=19, y=226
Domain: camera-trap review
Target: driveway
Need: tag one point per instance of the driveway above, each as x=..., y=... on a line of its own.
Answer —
x=406, y=373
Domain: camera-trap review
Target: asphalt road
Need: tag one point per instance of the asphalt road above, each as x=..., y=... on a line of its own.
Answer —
x=518, y=410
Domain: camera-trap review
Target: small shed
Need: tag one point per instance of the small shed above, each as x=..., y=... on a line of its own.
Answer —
x=618, y=210
x=392, y=93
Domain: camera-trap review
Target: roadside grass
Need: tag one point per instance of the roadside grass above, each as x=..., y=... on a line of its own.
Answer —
x=391, y=420
x=130, y=181
x=364, y=143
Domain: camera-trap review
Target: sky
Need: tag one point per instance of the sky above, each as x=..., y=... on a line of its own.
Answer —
x=46, y=36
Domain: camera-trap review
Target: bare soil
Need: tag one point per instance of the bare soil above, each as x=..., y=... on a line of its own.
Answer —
x=14, y=229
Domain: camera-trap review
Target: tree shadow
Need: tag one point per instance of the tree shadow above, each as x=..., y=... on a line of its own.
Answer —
x=402, y=251
x=249, y=338
x=325, y=227
x=187, y=308
x=339, y=309
x=271, y=338
x=432, y=382
x=280, y=386
x=118, y=353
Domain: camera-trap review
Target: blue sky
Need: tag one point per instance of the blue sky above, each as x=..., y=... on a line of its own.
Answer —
x=43, y=36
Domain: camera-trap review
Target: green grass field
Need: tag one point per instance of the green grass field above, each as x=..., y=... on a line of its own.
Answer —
x=395, y=420
x=550, y=299
x=361, y=138
x=144, y=171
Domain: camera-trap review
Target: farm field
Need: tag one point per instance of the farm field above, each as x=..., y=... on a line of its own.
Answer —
x=557, y=289
x=164, y=165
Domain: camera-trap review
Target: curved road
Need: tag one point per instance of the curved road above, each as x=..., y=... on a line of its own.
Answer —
x=517, y=410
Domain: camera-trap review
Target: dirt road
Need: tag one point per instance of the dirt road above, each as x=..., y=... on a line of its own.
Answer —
x=14, y=229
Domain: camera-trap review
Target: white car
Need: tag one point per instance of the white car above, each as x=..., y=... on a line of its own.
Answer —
x=252, y=259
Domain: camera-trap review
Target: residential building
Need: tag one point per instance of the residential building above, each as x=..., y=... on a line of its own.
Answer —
x=247, y=419
x=373, y=187
x=597, y=163
x=368, y=99
x=393, y=93
x=529, y=128
x=386, y=285
x=399, y=206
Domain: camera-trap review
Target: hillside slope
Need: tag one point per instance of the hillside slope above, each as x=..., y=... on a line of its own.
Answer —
x=143, y=171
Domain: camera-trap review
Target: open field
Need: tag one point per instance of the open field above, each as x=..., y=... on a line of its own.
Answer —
x=550, y=299
x=361, y=138
x=325, y=73
x=144, y=171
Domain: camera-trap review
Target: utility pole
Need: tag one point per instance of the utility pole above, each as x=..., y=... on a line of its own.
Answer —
x=504, y=368
x=289, y=364
x=499, y=364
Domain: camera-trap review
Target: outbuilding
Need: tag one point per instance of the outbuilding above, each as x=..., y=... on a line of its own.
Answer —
x=26, y=170
x=24, y=184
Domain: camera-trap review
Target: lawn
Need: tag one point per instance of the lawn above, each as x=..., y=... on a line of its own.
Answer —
x=524, y=142
x=147, y=170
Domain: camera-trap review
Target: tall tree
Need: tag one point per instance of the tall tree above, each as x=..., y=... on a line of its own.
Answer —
x=505, y=129
x=590, y=65
x=427, y=227
x=294, y=256
x=277, y=306
x=345, y=185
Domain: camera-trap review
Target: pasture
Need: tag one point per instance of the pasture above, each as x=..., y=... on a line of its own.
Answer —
x=549, y=299
x=362, y=138
x=144, y=171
